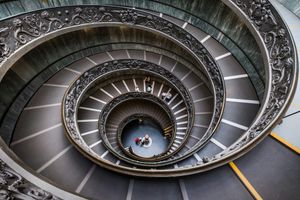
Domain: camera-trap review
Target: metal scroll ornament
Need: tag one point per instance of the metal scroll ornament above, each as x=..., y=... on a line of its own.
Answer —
x=14, y=186
x=282, y=66
x=108, y=108
x=4, y=48
x=23, y=29
x=81, y=85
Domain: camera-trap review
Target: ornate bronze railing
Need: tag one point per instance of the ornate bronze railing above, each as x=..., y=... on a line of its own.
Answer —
x=281, y=65
x=24, y=32
x=21, y=33
x=109, y=107
x=77, y=90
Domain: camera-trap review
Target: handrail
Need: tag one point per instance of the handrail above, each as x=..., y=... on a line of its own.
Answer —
x=76, y=91
x=89, y=51
x=21, y=182
x=281, y=63
x=280, y=59
x=28, y=29
x=108, y=109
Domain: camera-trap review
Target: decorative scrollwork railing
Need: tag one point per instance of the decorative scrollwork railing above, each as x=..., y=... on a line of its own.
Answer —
x=23, y=30
x=272, y=35
x=108, y=109
x=77, y=90
x=14, y=186
x=282, y=68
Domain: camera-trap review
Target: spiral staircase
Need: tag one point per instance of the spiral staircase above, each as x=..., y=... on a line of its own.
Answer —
x=216, y=77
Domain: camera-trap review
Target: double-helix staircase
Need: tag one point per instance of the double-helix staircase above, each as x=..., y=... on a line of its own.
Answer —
x=66, y=127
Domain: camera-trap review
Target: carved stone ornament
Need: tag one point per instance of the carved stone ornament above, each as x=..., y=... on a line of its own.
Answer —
x=14, y=186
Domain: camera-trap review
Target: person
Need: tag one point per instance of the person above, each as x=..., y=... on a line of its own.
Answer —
x=149, y=88
x=137, y=140
x=146, y=139
x=137, y=89
x=166, y=96
x=148, y=84
x=147, y=80
x=142, y=141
